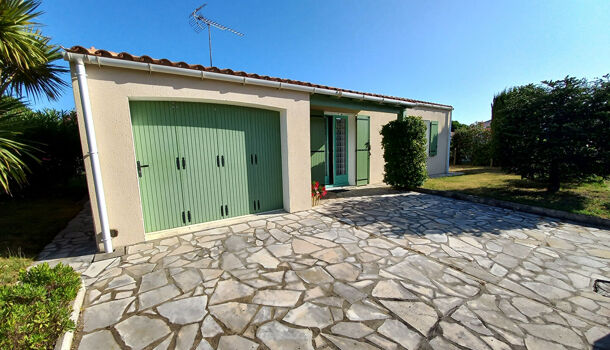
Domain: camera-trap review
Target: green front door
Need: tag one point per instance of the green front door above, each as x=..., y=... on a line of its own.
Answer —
x=363, y=150
x=202, y=162
x=340, y=158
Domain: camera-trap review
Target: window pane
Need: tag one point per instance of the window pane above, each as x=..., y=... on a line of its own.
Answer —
x=340, y=146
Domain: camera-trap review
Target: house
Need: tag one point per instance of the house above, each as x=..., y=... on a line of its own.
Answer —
x=174, y=146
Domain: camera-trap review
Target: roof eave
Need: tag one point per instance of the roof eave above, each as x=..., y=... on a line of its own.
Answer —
x=126, y=63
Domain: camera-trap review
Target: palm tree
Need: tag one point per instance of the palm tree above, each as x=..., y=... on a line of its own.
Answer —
x=26, y=68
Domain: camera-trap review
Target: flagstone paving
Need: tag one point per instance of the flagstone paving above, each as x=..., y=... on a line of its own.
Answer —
x=400, y=271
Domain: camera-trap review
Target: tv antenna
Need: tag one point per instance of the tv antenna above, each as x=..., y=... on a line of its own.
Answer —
x=199, y=23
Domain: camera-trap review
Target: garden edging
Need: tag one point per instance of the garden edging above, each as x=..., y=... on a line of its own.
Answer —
x=64, y=342
x=581, y=218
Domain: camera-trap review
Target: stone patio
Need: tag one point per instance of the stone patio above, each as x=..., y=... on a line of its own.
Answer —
x=398, y=271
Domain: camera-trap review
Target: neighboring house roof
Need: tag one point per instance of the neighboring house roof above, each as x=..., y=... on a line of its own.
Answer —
x=163, y=61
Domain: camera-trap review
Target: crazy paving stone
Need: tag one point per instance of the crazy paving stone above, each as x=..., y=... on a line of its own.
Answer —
x=361, y=312
x=184, y=311
x=390, y=289
x=101, y=340
x=344, y=271
x=139, y=331
x=281, y=298
x=264, y=258
x=315, y=275
x=460, y=335
x=157, y=296
x=348, y=344
x=209, y=327
x=186, y=336
x=351, y=329
x=105, y=314
x=235, y=342
x=277, y=336
x=309, y=315
x=229, y=290
x=417, y=314
x=235, y=316
x=400, y=333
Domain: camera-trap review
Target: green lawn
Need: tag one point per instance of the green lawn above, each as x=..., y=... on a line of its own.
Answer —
x=28, y=222
x=592, y=198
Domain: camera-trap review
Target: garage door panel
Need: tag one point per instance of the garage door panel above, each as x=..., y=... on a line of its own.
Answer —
x=156, y=149
x=271, y=162
x=196, y=131
x=231, y=133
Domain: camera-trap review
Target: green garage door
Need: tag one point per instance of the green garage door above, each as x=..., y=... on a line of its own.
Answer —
x=200, y=162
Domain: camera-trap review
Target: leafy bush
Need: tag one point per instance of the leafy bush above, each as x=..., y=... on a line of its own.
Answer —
x=471, y=144
x=554, y=132
x=55, y=135
x=36, y=311
x=404, y=151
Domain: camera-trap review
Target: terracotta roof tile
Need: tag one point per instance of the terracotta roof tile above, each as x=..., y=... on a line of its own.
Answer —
x=164, y=61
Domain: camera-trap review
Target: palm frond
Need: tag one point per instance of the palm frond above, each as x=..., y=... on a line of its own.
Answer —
x=12, y=152
x=41, y=78
x=17, y=34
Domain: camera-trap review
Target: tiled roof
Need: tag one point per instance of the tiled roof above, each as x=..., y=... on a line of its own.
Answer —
x=163, y=61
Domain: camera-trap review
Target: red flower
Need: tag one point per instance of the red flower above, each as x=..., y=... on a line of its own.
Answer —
x=316, y=185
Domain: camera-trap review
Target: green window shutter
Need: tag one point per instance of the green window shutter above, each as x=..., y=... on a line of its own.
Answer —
x=433, y=138
x=363, y=150
x=317, y=135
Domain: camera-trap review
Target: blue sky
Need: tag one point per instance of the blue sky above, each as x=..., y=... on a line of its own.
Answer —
x=454, y=52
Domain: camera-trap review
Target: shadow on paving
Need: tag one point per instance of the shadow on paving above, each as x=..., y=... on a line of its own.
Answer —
x=422, y=214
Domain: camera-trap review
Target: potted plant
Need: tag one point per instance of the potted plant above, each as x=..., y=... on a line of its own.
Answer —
x=317, y=192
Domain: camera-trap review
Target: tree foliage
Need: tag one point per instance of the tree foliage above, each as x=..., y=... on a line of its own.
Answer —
x=455, y=125
x=26, y=68
x=555, y=132
x=471, y=144
x=404, y=151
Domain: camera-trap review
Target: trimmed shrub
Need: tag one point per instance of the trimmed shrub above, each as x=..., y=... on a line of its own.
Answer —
x=36, y=311
x=404, y=151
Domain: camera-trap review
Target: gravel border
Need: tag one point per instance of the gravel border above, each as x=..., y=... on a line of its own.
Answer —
x=580, y=218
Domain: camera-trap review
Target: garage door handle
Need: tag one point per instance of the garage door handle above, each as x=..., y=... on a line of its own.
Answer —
x=222, y=213
x=140, y=166
x=226, y=210
x=255, y=159
x=183, y=218
x=178, y=163
x=222, y=160
x=218, y=161
x=183, y=163
x=189, y=215
x=251, y=159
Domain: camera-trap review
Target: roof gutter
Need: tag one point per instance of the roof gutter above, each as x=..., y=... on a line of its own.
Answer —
x=149, y=67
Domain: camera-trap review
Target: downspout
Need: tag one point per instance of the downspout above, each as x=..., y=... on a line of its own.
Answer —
x=83, y=89
x=448, y=142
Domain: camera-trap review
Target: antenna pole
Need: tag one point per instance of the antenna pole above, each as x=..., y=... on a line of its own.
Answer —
x=210, y=43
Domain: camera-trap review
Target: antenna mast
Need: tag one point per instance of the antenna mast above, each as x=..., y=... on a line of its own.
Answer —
x=199, y=22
